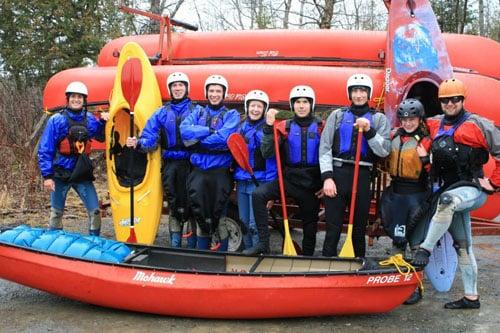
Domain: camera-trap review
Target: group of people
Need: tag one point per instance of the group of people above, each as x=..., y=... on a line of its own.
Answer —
x=439, y=157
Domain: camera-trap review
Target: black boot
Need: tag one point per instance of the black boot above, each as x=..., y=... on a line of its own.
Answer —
x=463, y=303
x=414, y=298
x=421, y=258
x=260, y=248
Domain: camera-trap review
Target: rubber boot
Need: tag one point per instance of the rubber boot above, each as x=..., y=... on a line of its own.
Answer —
x=94, y=222
x=414, y=298
x=55, y=219
x=203, y=243
x=224, y=245
x=262, y=247
x=95, y=232
x=175, y=239
x=191, y=242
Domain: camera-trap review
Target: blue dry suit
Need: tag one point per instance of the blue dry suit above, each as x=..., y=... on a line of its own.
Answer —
x=209, y=129
x=55, y=131
x=264, y=171
x=163, y=125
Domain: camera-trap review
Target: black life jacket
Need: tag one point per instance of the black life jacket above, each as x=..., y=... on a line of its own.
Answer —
x=77, y=141
x=452, y=161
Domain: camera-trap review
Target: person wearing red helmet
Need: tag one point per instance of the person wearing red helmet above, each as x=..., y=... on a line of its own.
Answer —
x=462, y=143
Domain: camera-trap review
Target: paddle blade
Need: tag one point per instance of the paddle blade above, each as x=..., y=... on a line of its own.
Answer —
x=132, y=237
x=348, y=249
x=239, y=149
x=288, y=246
x=131, y=81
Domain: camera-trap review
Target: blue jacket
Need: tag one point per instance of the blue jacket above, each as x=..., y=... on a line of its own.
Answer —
x=207, y=131
x=55, y=131
x=165, y=123
x=264, y=169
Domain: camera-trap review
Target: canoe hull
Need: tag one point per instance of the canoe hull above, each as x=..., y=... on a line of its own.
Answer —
x=205, y=295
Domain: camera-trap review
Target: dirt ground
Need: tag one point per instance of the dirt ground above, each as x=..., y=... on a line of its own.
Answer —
x=24, y=309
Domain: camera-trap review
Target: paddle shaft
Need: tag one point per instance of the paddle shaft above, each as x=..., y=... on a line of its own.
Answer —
x=131, y=166
x=280, y=172
x=355, y=177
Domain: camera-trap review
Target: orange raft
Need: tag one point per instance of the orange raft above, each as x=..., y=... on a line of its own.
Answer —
x=468, y=53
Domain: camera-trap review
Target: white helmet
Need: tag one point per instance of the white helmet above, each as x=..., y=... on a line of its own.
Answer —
x=302, y=91
x=256, y=95
x=216, y=79
x=177, y=77
x=359, y=80
x=77, y=87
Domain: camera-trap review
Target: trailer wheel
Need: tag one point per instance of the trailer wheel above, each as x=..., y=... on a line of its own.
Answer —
x=234, y=228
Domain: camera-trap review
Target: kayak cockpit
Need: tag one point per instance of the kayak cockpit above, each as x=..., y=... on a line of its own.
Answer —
x=197, y=261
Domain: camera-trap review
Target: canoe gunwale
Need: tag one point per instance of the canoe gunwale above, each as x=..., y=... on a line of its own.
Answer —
x=364, y=270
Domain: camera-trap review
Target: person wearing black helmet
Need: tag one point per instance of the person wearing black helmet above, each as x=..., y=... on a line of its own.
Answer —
x=408, y=164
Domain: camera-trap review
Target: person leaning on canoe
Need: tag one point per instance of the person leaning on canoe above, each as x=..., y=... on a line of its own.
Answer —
x=163, y=127
x=462, y=142
x=63, y=156
x=256, y=106
x=210, y=181
x=409, y=166
x=336, y=156
x=299, y=141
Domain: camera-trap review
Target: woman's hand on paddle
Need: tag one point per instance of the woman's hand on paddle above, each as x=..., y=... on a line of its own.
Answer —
x=49, y=185
x=131, y=142
x=363, y=123
x=486, y=185
x=329, y=188
x=271, y=116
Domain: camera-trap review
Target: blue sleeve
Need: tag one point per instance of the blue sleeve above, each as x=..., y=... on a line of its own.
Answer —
x=150, y=135
x=96, y=127
x=192, y=132
x=47, y=148
x=218, y=140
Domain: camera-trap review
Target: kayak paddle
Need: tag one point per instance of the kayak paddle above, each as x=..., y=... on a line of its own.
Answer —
x=239, y=149
x=288, y=248
x=131, y=82
x=348, y=249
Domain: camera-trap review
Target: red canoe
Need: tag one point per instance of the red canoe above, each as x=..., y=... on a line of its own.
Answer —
x=200, y=284
x=313, y=47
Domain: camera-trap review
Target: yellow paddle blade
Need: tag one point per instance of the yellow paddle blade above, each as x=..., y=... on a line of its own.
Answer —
x=348, y=250
x=288, y=248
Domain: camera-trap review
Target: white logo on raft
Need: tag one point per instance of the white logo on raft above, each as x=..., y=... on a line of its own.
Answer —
x=153, y=278
x=125, y=222
x=387, y=79
x=268, y=53
x=387, y=279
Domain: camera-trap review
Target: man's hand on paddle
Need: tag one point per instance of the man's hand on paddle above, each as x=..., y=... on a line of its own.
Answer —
x=271, y=116
x=363, y=123
x=131, y=142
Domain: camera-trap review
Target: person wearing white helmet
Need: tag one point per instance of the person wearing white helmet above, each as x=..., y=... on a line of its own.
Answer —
x=207, y=130
x=63, y=156
x=299, y=140
x=336, y=155
x=256, y=105
x=162, y=129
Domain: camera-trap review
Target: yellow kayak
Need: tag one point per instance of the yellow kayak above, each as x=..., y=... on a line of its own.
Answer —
x=127, y=167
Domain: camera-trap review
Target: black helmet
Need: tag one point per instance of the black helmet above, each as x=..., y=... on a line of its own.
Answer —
x=410, y=107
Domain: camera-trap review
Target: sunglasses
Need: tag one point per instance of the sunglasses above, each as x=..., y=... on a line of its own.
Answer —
x=454, y=99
